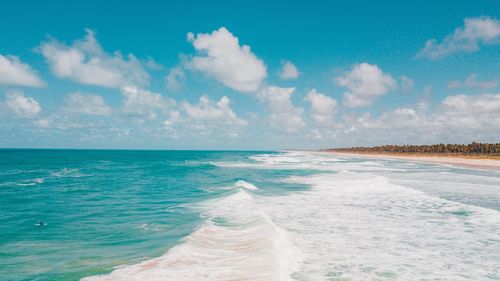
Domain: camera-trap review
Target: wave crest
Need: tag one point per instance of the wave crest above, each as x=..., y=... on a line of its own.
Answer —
x=238, y=241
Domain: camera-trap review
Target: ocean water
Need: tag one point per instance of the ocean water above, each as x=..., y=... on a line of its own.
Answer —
x=235, y=215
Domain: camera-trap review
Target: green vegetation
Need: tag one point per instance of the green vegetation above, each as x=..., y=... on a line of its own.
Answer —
x=473, y=149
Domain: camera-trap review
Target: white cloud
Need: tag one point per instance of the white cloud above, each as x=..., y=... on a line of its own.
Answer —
x=207, y=117
x=406, y=83
x=458, y=118
x=174, y=117
x=64, y=122
x=86, y=62
x=475, y=32
x=175, y=78
x=322, y=107
x=315, y=134
x=284, y=115
x=221, y=57
x=22, y=106
x=365, y=83
x=152, y=64
x=472, y=82
x=473, y=112
x=42, y=123
x=13, y=72
x=212, y=113
x=288, y=71
x=144, y=103
x=400, y=118
x=89, y=104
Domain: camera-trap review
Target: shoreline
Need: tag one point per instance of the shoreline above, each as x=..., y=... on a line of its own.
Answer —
x=459, y=161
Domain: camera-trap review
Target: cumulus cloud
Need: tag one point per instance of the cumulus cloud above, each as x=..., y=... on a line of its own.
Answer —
x=474, y=33
x=175, y=78
x=13, y=72
x=288, y=71
x=87, y=63
x=458, y=118
x=89, y=104
x=220, y=56
x=174, y=117
x=322, y=107
x=365, y=83
x=472, y=82
x=397, y=119
x=473, y=112
x=212, y=112
x=143, y=103
x=284, y=115
x=206, y=117
x=21, y=105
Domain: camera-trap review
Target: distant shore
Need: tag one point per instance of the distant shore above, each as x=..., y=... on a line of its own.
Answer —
x=478, y=162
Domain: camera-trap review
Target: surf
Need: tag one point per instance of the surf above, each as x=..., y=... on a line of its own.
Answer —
x=237, y=241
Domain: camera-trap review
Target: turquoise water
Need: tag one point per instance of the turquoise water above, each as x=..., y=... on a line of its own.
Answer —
x=103, y=208
x=212, y=215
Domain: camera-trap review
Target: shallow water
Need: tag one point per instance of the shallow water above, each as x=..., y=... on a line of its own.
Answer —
x=198, y=215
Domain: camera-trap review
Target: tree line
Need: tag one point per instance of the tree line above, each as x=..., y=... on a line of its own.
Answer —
x=475, y=148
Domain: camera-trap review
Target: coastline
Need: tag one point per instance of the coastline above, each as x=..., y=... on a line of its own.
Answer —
x=459, y=161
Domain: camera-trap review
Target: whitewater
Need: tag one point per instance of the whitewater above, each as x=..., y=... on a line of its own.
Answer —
x=341, y=218
x=241, y=215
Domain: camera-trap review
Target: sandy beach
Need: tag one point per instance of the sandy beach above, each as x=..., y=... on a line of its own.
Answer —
x=478, y=163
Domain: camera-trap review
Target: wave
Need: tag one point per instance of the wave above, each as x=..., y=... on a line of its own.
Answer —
x=68, y=173
x=359, y=220
x=358, y=226
x=31, y=183
x=246, y=185
x=237, y=241
x=304, y=164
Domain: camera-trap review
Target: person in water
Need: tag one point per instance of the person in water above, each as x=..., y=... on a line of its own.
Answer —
x=40, y=223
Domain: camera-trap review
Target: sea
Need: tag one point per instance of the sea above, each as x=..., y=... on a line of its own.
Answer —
x=243, y=215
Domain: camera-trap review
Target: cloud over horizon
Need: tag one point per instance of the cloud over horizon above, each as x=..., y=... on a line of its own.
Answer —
x=322, y=107
x=469, y=117
x=284, y=116
x=83, y=103
x=22, y=106
x=195, y=95
x=142, y=103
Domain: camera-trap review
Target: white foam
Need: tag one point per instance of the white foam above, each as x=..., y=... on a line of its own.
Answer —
x=34, y=182
x=354, y=226
x=298, y=160
x=237, y=242
x=356, y=222
x=68, y=173
x=246, y=185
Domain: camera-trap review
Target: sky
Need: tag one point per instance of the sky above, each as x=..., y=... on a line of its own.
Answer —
x=248, y=74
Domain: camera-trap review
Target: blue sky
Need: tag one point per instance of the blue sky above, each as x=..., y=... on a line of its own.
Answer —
x=254, y=75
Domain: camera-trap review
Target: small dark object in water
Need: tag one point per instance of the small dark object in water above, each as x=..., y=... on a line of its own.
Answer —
x=40, y=223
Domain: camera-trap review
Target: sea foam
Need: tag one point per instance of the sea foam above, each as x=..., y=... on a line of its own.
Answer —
x=246, y=185
x=237, y=241
x=359, y=220
x=354, y=225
